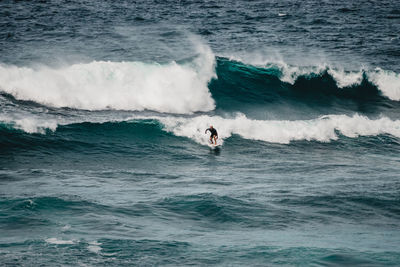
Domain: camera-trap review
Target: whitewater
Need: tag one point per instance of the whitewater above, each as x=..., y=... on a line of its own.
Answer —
x=174, y=88
x=168, y=88
x=104, y=159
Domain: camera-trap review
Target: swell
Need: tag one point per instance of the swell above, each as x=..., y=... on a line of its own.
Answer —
x=84, y=137
x=210, y=210
x=349, y=205
x=281, y=212
x=206, y=208
x=281, y=85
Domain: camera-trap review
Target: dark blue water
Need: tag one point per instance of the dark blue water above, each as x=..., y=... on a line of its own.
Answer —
x=103, y=156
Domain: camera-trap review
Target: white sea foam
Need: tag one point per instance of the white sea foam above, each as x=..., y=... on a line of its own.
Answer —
x=346, y=78
x=323, y=129
x=289, y=73
x=30, y=124
x=387, y=81
x=66, y=227
x=171, y=88
x=94, y=247
x=56, y=241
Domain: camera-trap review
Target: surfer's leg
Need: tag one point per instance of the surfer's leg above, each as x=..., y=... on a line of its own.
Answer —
x=211, y=140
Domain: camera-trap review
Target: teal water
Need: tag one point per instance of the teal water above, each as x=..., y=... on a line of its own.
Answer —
x=103, y=156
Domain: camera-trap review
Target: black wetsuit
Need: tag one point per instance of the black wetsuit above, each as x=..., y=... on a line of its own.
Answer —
x=212, y=131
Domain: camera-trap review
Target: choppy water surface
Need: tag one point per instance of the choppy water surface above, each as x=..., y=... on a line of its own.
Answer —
x=103, y=156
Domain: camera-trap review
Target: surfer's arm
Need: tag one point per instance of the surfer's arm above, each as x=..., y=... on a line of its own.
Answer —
x=206, y=130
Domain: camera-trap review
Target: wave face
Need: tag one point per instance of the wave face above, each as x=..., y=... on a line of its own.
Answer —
x=320, y=88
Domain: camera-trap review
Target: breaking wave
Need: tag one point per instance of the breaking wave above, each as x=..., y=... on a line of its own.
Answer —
x=387, y=82
x=317, y=86
x=100, y=85
x=322, y=129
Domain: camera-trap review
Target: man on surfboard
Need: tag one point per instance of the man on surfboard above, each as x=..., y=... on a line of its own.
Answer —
x=214, y=135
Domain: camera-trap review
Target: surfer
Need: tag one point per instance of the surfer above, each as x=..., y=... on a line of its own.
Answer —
x=214, y=134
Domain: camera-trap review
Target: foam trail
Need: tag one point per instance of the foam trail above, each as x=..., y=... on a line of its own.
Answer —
x=94, y=247
x=323, y=129
x=170, y=88
x=56, y=241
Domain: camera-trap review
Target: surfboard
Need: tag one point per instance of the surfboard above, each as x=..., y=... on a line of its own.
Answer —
x=214, y=146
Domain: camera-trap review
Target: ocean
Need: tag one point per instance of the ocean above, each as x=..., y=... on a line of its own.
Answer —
x=104, y=160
